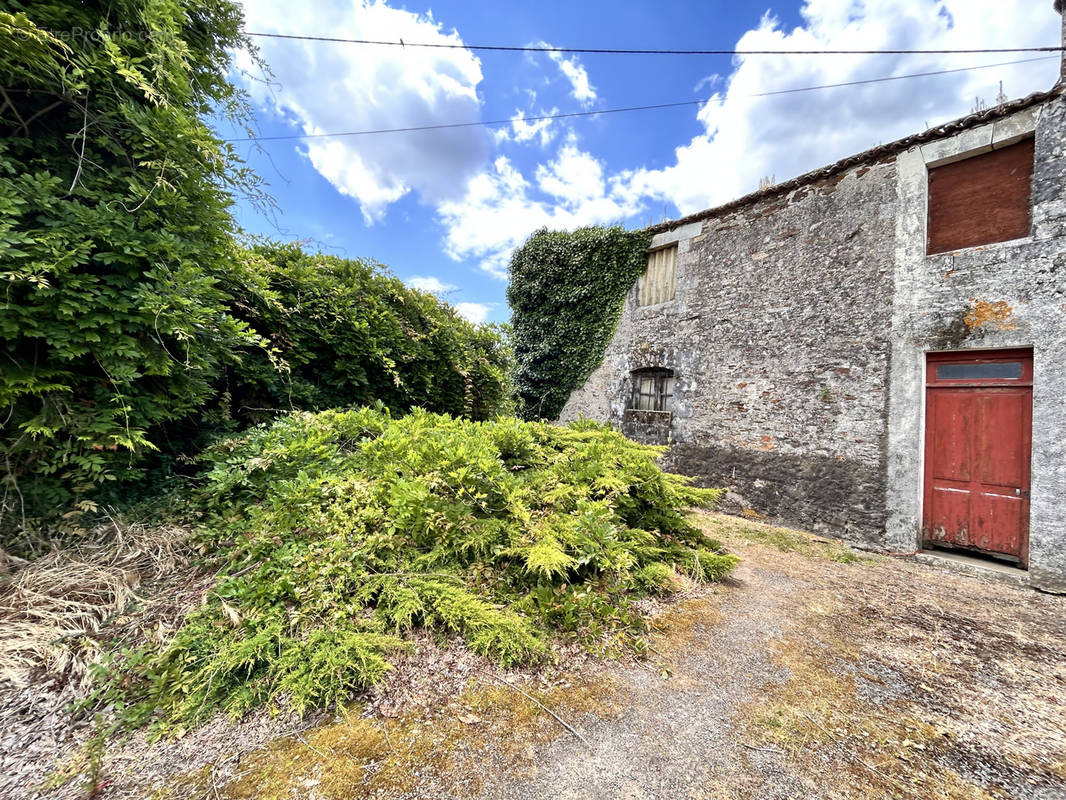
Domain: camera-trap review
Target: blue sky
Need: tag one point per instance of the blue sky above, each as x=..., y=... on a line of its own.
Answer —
x=444, y=209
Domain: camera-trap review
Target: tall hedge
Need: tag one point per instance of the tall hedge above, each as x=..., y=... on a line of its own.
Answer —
x=114, y=232
x=344, y=332
x=133, y=326
x=566, y=294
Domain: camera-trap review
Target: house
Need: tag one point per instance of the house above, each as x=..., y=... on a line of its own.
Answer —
x=874, y=350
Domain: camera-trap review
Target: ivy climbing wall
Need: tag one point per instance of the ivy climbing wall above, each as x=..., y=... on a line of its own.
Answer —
x=566, y=294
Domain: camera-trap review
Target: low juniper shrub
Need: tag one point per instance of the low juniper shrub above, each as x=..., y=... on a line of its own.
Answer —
x=339, y=532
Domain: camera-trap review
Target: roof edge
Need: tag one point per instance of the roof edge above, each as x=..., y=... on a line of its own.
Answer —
x=866, y=157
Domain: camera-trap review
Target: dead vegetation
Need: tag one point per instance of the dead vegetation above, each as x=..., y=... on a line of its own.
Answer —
x=59, y=615
x=446, y=715
x=52, y=610
x=817, y=672
x=783, y=539
x=905, y=682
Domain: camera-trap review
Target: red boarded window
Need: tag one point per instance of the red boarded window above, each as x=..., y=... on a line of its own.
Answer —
x=980, y=200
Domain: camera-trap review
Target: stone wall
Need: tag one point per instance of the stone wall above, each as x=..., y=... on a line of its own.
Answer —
x=798, y=337
x=778, y=336
x=1011, y=294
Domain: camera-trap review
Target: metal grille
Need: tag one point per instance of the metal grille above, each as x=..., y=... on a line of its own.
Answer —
x=653, y=390
x=657, y=285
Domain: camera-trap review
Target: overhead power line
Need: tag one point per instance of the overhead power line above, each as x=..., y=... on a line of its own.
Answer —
x=546, y=48
x=627, y=108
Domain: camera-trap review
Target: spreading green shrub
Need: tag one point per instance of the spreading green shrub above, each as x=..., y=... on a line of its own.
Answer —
x=566, y=294
x=343, y=530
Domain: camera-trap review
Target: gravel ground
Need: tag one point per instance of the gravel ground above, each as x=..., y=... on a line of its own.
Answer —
x=812, y=672
x=675, y=738
x=823, y=676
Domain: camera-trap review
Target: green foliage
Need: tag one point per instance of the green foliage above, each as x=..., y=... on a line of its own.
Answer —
x=115, y=232
x=134, y=329
x=566, y=294
x=341, y=531
x=350, y=334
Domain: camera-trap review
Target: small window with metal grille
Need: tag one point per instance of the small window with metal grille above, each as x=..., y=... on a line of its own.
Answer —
x=653, y=389
x=657, y=284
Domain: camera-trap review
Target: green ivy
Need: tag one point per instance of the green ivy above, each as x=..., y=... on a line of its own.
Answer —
x=566, y=294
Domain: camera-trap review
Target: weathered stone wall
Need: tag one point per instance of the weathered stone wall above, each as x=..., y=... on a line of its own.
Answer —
x=1011, y=294
x=778, y=336
x=798, y=338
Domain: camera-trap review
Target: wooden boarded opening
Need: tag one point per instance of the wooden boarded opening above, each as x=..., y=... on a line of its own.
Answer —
x=981, y=200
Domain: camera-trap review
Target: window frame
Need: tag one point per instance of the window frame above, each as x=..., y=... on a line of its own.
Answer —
x=660, y=396
x=937, y=233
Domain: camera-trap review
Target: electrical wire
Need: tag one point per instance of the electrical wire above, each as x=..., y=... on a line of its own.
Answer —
x=643, y=51
x=651, y=107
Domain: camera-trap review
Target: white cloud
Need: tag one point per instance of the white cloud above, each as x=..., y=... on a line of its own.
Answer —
x=574, y=71
x=328, y=87
x=522, y=131
x=429, y=283
x=487, y=206
x=473, y=312
x=501, y=207
x=574, y=175
x=745, y=138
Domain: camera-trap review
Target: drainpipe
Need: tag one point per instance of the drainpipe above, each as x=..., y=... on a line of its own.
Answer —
x=1060, y=7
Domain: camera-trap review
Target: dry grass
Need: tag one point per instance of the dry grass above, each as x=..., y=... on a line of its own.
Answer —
x=442, y=747
x=723, y=526
x=883, y=679
x=905, y=683
x=437, y=740
x=53, y=608
x=879, y=749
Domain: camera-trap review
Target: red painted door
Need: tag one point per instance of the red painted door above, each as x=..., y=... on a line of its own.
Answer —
x=978, y=439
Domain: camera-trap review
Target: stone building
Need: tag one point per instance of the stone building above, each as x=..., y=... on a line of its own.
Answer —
x=874, y=350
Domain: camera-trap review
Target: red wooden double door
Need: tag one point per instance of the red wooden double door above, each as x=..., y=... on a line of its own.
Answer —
x=978, y=440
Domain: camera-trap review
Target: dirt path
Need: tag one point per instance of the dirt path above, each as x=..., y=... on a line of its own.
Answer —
x=808, y=676
x=674, y=738
x=812, y=672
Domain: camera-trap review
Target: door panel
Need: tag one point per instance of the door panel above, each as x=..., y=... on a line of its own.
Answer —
x=950, y=511
x=998, y=456
x=995, y=522
x=952, y=420
x=977, y=452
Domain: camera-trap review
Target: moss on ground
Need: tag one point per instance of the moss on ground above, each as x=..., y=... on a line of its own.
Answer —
x=354, y=756
x=721, y=526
